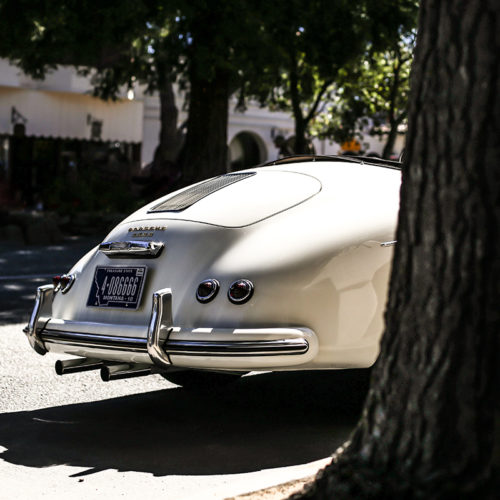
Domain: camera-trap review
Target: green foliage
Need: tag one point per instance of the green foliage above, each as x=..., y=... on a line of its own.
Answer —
x=89, y=191
x=129, y=40
x=288, y=53
x=371, y=93
x=40, y=35
x=308, y=48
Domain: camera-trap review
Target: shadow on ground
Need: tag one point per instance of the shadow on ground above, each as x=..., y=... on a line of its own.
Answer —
x=263, y=421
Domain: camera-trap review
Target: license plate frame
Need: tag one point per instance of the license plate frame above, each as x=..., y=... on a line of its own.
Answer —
x=109, y=280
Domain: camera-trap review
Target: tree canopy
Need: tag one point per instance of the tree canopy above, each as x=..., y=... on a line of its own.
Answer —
x=370, y=96
x=286, y=53
x=311, y=46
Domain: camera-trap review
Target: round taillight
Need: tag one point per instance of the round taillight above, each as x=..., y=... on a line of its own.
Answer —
x=240, y=291
x=56, y=281
x=207, y=290
x=63, y=282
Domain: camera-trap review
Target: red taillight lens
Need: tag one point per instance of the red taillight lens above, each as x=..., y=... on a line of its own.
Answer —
x=240, y=291
x=207, y=290
x=63, y=282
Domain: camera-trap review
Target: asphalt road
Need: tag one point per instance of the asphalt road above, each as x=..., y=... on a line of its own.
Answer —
x=77, y=437
x=25, y=267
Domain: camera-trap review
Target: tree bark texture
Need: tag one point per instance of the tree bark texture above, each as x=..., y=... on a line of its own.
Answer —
x=300, y=124
x=391, y=140
x=205, y=150
x=166, y=170
x=170, y=136
x=394, y=121
x=428, y=426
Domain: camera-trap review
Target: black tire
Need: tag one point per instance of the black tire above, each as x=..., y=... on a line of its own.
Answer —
x=202, y=381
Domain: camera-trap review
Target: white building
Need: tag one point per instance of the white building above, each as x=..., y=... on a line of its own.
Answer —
x=61, y=115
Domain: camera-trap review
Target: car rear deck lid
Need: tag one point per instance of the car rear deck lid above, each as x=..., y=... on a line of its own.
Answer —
x=193, y=194
x=239, y=199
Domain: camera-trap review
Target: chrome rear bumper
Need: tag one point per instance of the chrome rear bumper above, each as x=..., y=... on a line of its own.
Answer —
x=40, y=317
x=158, y=347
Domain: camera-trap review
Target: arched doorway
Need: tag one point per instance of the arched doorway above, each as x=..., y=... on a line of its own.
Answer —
x=246, y=150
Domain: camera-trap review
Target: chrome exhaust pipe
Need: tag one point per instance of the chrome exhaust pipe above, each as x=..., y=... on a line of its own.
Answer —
x=125, y=370
x=77, y=365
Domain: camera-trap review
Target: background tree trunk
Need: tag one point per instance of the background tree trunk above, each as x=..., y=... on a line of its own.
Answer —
x=428, y=428
x=391, y=137
x=166, y=170
x=205, y=151
x=390, y=141
x=300, y=142
x=393, y=120
x=170, y=136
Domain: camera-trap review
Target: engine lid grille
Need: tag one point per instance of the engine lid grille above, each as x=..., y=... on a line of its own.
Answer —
x=190, y=196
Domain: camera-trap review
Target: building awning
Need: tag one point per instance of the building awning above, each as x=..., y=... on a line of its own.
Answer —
x=70, y=115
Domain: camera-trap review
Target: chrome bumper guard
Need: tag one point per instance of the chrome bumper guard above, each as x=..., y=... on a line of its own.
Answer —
x=39, y=317
x=161, y=318
x=157, y=345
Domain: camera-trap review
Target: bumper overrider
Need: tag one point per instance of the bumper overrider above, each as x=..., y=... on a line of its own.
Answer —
x=166, y=346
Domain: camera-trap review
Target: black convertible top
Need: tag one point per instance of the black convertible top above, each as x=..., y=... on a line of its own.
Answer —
x=370, y=160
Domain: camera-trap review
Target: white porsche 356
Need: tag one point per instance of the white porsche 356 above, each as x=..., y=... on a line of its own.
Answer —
x=280, y=267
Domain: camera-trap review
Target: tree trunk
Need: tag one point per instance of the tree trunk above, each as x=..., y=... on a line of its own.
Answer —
x=391, y=137
x=393, y=121
x=300, y=143
x=166, y=170
x=428, y=426
x=391, y=140
x=170, y=137
x=205, y=150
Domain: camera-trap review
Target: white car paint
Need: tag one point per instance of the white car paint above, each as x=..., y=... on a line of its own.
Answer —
x=309, y=235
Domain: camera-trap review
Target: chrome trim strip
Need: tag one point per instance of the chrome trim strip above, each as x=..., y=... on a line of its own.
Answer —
x=70, y=282
x=161, y=317
x=41, y=314
x=178, y=347
x=131, y=248
x=237, y=348
x=132, y=344
x=90, y=345
x=388, y=243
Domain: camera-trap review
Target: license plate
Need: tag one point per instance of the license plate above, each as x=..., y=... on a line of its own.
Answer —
x=117, y=287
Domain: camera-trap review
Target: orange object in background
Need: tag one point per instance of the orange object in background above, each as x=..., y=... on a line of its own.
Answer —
x=352, y=145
